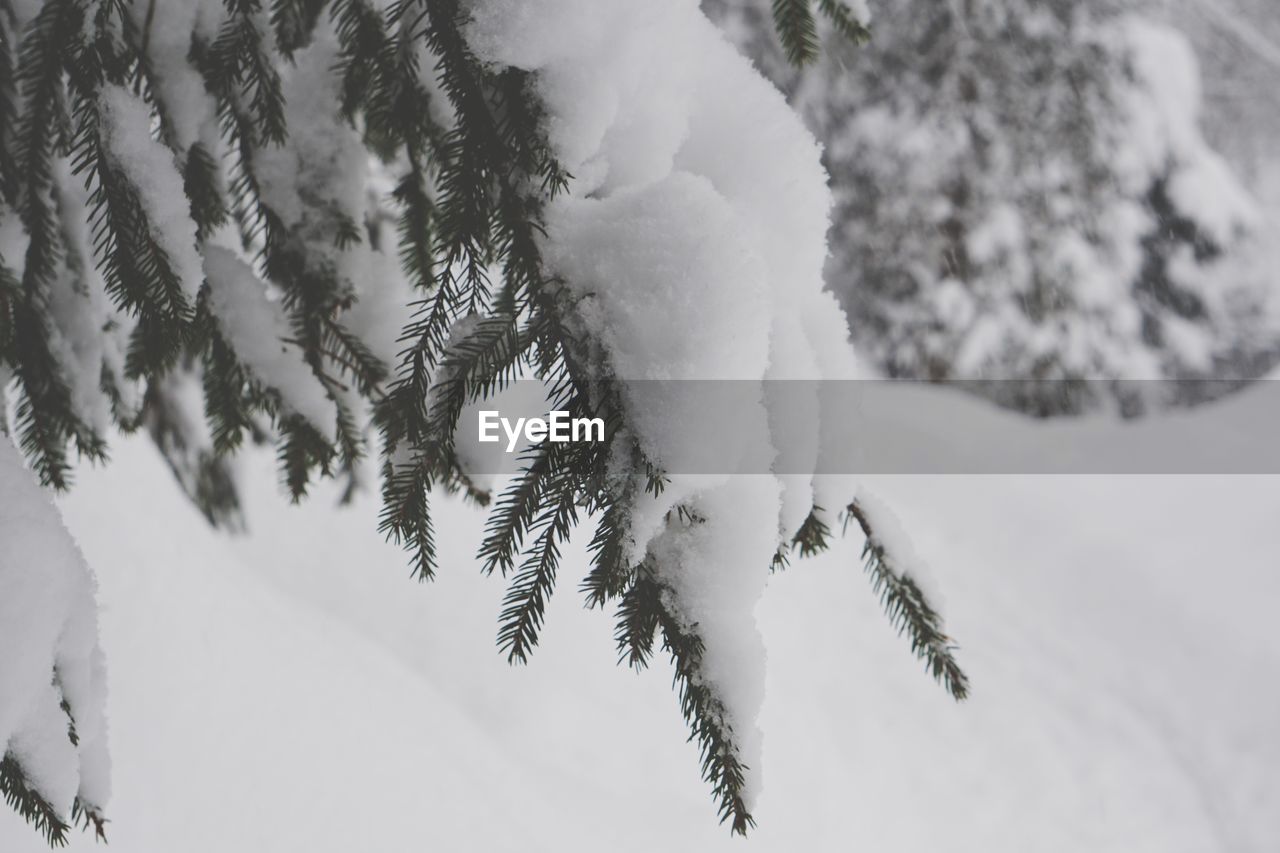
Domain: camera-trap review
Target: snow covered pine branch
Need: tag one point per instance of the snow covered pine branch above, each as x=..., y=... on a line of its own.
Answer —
x=196, y=241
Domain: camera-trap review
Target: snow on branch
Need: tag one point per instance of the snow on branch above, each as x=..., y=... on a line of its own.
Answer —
x=54, y=765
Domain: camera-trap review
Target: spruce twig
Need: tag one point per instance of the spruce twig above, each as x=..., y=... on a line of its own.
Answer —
x=29, y=804
x=908, y=609
x=797, y=30
x=707, y=718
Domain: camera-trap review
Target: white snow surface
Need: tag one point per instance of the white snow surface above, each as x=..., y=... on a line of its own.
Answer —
x=49, y=634
x=275, y=692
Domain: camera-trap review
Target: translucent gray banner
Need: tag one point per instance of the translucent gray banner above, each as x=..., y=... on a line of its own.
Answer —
x=906, y=427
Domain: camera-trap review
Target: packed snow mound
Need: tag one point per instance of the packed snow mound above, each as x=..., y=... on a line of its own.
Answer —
x=49, y=634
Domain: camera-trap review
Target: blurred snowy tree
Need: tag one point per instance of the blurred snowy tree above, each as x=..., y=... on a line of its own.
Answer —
x=1024, y=193
x=317, y=222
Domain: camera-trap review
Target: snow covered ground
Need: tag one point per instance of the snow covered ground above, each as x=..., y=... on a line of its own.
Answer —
x=294, y=690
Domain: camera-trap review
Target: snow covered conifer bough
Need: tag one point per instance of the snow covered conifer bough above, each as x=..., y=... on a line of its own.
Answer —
x=331, y=226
